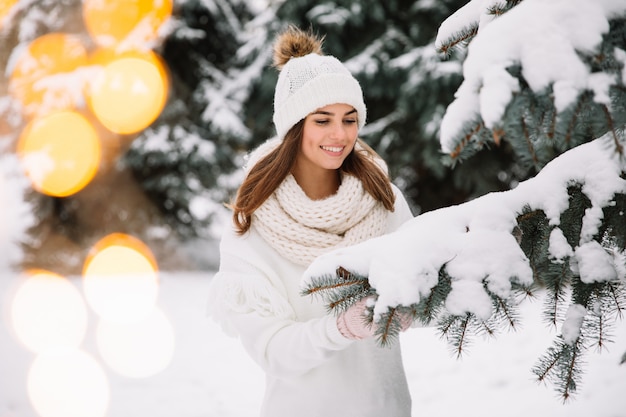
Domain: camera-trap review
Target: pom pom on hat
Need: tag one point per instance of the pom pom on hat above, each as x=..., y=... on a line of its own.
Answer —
x=309, y=80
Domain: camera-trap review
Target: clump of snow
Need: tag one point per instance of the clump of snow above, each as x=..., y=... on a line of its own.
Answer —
x=545, y=38
x=469, y=297
x=573, y=323
x=559, y=249
x=595, y=264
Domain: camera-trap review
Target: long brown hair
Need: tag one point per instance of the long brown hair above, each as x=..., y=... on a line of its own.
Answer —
x=270, y=171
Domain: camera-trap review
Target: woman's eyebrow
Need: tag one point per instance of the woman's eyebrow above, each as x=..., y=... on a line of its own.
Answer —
x=327, y=113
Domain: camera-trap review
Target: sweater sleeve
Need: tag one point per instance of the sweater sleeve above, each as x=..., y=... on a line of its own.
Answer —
x=246, y=303
x=401, y=213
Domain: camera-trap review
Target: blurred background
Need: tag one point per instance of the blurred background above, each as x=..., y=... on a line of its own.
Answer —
x=123, y=128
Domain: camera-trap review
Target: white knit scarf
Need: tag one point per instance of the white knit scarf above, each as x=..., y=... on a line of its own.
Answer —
x=302, y=229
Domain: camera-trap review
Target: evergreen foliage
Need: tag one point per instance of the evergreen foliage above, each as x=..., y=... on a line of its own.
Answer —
x=537, y=129
x=185, y=158
x=587, y=304
x=29, y=20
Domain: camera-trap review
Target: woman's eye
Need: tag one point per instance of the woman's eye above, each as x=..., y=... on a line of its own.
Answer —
x=321, y=122
x=350, y=121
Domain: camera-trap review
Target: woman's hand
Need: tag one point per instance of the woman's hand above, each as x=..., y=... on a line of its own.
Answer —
x=354, y=324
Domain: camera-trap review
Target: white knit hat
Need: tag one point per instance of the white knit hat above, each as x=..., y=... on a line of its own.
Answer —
x=312, y=81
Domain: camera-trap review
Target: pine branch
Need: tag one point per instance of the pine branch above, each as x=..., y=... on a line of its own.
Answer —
x=339, y=291
x=561, y=365
x=429, y=307
x=534, y=237
x=499, y=9
x=504, y=312
x=457, y=39
x=529, y=143
x=556, y=296
x=328, y=284
x=605, y=308
x=572, y=125
x=474, y=140
x=609, y=121
x=617, y=295
x=457, y=331
x=390, y=324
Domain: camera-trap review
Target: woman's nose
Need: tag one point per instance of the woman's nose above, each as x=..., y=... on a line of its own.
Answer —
x=338, y=131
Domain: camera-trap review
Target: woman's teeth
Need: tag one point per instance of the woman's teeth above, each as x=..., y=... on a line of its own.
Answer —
x=332, y=148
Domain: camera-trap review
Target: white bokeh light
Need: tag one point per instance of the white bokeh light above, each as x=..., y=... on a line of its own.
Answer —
x=137, y=350
x=68, y=383
x=48, y=311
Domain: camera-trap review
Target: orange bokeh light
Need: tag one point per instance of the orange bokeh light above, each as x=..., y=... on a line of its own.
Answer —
x=129, y=93
x=60, y=153
x=128, y=22
x=44, y=79
x=120, y=279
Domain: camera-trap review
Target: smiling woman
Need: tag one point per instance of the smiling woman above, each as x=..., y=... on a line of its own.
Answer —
x=313, y=188
x=328, y=138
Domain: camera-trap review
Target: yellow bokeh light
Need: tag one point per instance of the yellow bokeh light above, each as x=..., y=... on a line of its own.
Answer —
x=103, y=56
x=134, y=22
x=60, y=153
x=128, y=94
x=68, y=383
x=44, y=78
x=48, y=311
x=137, y=350
x=5, y=8
x=120, y=279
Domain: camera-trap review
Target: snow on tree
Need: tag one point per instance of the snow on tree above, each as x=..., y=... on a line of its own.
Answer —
x=185, y=160
x=15, y=218
x=548, y=78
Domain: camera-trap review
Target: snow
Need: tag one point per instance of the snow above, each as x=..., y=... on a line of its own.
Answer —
x=595, y=263
x=573, y=323
x=209, y=374
x=559, y=248
x=546, y=38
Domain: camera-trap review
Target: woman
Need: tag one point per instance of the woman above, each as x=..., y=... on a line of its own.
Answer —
x=313, y=188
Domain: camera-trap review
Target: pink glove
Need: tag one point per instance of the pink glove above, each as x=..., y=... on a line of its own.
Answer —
x=352, y=323
x=406, y=320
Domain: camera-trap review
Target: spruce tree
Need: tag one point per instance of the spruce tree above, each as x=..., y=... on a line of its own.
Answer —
x=184, y=161
x=561, y=235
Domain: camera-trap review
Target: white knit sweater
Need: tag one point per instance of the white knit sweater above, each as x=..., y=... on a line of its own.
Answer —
x=311, y=369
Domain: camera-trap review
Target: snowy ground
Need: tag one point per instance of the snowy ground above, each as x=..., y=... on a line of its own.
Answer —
x=210, y=375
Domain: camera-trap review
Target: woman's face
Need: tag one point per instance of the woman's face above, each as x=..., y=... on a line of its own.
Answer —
x=328, y=137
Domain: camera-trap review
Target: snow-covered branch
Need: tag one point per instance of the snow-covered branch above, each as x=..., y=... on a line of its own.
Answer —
x=555, y=230
x=559, y=49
